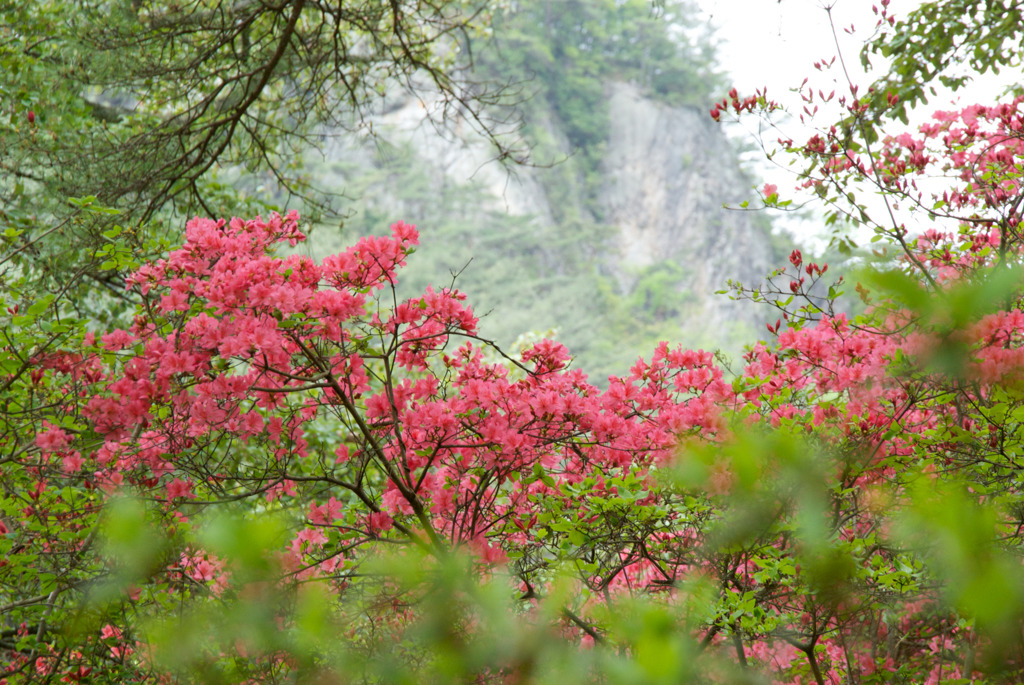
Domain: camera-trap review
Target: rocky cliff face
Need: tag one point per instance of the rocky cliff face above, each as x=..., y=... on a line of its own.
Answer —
x=669, y=177
x=653, y=246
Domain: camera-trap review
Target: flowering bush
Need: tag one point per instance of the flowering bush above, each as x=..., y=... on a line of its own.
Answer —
x=283, y=429
x=276, y=470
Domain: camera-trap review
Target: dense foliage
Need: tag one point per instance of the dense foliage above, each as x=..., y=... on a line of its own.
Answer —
x=939, y=44
x=846, y=509
x=276, y=469
x=159, y=108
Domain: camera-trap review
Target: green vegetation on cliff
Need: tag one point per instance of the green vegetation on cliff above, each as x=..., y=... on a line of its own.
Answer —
x=562, y=54
x=556, y=271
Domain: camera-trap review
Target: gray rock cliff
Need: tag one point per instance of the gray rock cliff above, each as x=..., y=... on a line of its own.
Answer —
x=640, y=262
x=669, y=177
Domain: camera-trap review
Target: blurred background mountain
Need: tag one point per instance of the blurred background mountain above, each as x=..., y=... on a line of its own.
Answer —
x=623, y=224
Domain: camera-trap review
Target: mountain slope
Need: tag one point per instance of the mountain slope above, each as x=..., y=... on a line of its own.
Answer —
x=638, y=264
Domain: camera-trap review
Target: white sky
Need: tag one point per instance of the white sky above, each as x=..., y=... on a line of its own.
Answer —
x=766, y=42
x=775, y=43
